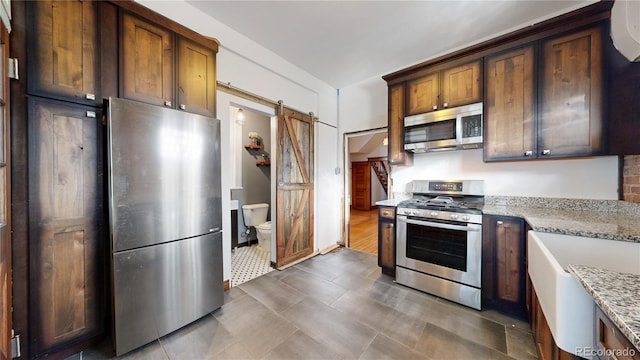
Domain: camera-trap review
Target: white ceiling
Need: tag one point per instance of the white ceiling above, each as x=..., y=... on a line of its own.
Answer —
x=345, y=42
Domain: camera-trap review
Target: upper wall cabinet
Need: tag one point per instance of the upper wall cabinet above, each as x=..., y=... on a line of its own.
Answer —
x=510, y=105
x=63, y=34
x=565, y=119
x=397, y=155
x=455, y=86
x=147, y=62
x=196, y=78
x=571, y=95
x=163, y=68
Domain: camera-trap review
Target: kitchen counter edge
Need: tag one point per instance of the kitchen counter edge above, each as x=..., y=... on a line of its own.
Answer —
x=616, y=294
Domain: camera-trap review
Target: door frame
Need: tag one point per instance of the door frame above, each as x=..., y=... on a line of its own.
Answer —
x=346, y=183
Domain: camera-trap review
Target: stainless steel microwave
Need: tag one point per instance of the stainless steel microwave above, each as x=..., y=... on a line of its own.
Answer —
x=448, y=129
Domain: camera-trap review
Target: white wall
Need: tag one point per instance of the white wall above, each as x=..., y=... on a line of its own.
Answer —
x=249, y=66
x=364, y=106
x=588, y=178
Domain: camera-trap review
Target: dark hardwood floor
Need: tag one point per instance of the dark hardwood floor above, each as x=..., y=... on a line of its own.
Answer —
x=338, y=306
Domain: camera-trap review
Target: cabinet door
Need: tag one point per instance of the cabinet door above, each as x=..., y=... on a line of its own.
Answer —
x=147, y=62
x=423, y=94
x=571, y=113
x=510, y=116
x=196, y=78
x=65, y=225
x=509, y=260
x=64, y=37
x=397, y=155
x=387, y=240
x=461, y=85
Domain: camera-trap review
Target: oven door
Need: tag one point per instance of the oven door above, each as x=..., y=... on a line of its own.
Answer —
x=451, y=251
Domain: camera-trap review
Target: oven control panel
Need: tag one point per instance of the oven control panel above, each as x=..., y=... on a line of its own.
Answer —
x=441, y=215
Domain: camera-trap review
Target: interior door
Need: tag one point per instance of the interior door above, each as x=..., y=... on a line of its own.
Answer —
x=294, y=203
x=360, y=185
x=5, y=234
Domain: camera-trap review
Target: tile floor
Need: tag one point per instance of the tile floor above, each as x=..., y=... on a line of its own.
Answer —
x=338, y=306
x=249, y=262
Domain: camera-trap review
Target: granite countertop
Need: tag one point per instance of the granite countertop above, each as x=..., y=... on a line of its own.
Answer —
x=390, y=202
x=616, y=294
x=594, y=223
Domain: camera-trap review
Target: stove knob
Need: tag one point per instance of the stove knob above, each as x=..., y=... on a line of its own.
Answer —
x=434, y=213
x=415, y=212
x=466, y=217
x=454, y=216
x=406, y=211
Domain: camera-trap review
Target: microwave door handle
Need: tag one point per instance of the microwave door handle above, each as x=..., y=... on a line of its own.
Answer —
x=439, y=225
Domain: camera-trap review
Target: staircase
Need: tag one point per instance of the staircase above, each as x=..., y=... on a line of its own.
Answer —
x=379, y=166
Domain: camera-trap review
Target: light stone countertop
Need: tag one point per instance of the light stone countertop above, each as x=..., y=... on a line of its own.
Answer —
x=390, y=202
x=602, y=219
x=617, y=294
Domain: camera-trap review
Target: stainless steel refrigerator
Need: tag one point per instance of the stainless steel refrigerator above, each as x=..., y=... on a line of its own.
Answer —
x=165, y=218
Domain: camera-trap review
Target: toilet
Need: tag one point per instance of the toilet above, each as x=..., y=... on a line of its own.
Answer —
x=255, y=215
x=264, y=236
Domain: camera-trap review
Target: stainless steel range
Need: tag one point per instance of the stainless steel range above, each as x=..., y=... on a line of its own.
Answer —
x=439, y=239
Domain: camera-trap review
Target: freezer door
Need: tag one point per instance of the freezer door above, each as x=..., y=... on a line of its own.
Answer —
x=164, y=174
x=161, y=288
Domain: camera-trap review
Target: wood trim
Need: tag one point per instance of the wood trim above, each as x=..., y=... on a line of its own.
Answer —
x=380, y=158
x=296, y=149
x=578, y=18
x=226, y=285
x=152, y=16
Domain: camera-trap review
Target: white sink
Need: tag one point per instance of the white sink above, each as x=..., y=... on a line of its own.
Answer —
x=565, y=304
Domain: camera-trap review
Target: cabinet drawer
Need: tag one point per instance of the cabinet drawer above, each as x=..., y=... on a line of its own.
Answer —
x=388, y=213
x=611, y=341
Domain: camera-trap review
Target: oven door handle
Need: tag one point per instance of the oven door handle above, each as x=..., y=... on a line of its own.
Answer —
x=438, y=225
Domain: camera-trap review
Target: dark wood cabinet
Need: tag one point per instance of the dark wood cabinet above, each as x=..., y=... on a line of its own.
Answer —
x=196, y=77
x=565, y=118
x=162, y=68
x=454, y=86
x=147, y=55
x=396, y=153
x=510, y=105
x=461, y=85
x=64, y=40
x=609, y=339
x=504, y=264
x=387, y=239
x=423, y=94
x=66, y=224
x=571, y=104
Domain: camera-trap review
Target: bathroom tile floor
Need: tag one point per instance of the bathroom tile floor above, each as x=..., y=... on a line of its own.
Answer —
x=249, y=262
x=338, y=306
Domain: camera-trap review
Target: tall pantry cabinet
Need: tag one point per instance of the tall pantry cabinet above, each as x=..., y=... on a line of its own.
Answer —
x=76, y=53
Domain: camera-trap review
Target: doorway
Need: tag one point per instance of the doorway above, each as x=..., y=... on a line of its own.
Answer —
x=365, y=184
x=251, y=247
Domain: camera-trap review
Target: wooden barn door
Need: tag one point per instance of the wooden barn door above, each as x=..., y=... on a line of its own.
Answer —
x=294, y=203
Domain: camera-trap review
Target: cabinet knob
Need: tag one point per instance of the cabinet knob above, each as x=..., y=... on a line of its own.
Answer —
x=91, y=114
x=499, y=222
x=435, y=107
x=167, y=103
x=183, y=107
x=445, y=105
x=546, y=152
x=528, y=153
x=90, y=96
